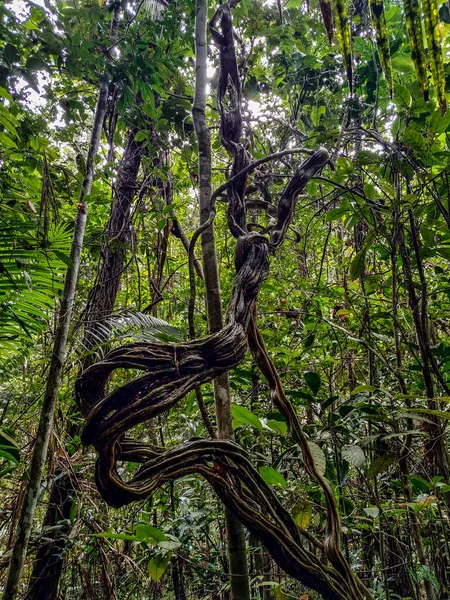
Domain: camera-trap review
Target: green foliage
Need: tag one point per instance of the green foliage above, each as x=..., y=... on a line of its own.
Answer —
x=335, y=310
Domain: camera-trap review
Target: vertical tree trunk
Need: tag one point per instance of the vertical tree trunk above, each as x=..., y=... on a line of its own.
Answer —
x=178, y=579
x=435, y=447
x=102, y=296
x=58, y=355
x=237, y=552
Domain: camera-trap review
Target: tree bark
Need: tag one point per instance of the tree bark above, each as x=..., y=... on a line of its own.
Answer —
x=50, y=555
x=237, y=551
x=102, y=296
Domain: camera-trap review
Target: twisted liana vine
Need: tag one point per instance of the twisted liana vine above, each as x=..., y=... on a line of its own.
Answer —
x=170, y=371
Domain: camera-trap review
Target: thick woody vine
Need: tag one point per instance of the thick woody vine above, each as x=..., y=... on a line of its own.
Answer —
x=170, y=371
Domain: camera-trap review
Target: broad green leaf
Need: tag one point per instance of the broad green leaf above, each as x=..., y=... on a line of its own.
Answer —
x=8, y=443
x=357, y=265
x=437, y=413
x=5, y=452
x=354, y=455
x=362, y=388
x=372, y=511
x=402, y=97
x=365, y=157
x=148, y=533
x=277, y=426
x=319, y=458
x=5, y=94
x=63, y=258
x=116, y=536
x=414, y=139
x=34, y=63
x=272, y=477
x=402, y=63
x=158, y=565
x=5, y=140
x=141, y=136
x=302, y=513
x=170, y=544
x=313, y=381
x=439, y=123
x=243, y=416
x=11, y=54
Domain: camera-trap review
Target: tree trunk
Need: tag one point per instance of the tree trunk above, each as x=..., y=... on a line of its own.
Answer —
x=102, y=297
x=57, y=362
x=436, y=451
x=50, y=555
x=237, y=552
x=177, y=579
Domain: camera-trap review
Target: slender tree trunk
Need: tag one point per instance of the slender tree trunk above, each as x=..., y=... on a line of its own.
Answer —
x=237, y=551
x=57, y=362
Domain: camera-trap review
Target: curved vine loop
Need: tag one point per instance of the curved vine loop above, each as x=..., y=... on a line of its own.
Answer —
x=170, y=371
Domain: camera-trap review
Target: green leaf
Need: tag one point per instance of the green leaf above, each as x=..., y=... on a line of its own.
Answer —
x=243, y=416
x=372, y=511
x=11, y=53
x=444, y=13
x=357, y=265
x=5, y=94
x=5, y=140
x=272, y=477
x=313, y=381
x=141, y=136
x=438, y=122
x=365, y=157
x=158, y=565
x=437, y=413
x=362, y=388
x=150, y=111
x=402, y=97
x=8, y=125
x=380, y=465
x=63, y=258
x=7, y=454
x=277, y=426
x=8, y=443
x=150, y=534
x=34, y=63
x=414, y=139
x=302, y=513
x=116, y=536
x=170, y=544
x=402, y=63
x=318, y=457
x=354, y=455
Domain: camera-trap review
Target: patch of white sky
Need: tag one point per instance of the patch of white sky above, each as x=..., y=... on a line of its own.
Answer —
x=255, y=108
x=21, y=9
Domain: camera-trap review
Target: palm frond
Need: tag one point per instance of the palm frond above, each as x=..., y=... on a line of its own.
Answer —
x=129, y=326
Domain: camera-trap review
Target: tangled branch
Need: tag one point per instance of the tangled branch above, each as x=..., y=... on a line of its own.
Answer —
x=170, y=371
